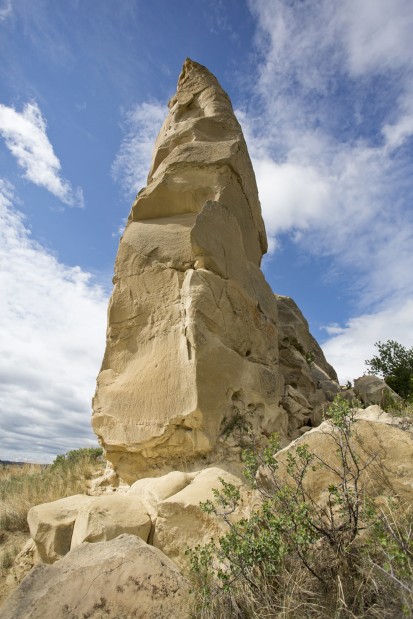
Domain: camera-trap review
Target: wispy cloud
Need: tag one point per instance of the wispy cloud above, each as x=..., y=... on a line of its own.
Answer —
x=26, y=137
x=52, y=335
x=376, y=34
x=6, y=10
x=328, y=128
x=141, y=126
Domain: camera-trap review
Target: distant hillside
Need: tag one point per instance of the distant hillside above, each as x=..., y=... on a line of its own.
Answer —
x=9, y=463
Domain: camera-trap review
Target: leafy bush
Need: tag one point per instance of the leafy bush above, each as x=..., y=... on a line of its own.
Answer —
x=298, y=558
x=394, y=363
x=76, y=456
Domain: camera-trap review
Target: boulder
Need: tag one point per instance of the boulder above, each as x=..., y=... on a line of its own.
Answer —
x=182, y=524
x=153, y=490
x=379, y=439
x=51, y=526
x=117, y=579
x=371, y=389
x=105, y=517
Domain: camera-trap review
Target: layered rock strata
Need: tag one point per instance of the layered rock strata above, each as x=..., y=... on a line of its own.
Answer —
x=192, y=340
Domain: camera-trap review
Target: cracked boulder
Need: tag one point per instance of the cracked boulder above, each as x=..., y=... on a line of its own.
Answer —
x=120, y=578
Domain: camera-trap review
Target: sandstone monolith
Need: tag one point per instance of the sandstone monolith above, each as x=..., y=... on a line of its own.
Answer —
x=192, y=341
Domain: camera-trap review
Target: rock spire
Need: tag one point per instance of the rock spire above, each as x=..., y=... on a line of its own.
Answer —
x=193, y=335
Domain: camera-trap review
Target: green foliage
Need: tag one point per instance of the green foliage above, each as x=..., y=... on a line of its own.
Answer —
x=76, y=456
x=309, y=357
x=338, y=557
x=395, y=364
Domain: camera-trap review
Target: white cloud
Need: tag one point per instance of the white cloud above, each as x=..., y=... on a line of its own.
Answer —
x=397, y=132
x=52, y=335
x=141, y=126
x=292, y=196
x=330, y=114
x=349, y=347
x=26, y=138
x=376, y=34
x=6, y=10
x=324, y=147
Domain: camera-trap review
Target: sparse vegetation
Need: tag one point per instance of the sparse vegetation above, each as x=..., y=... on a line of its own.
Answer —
x=346, y=556
x=7, y=557
x=21, y=487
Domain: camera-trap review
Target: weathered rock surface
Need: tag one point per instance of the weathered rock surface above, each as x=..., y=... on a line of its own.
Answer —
x=192, y=337
x=377, y=438
x=27, y=558
x=117, y=579
x=310, y=382
x=152, y=490
x=51, y=526
x=105, y=517
x=180, y=521
x=370, y=389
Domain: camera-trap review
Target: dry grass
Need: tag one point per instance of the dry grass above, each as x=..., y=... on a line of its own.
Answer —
x=22, y=487
x=358, y=592
x=7, y=556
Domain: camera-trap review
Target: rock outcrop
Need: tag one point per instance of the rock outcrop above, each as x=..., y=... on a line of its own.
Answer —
x=181, y=523
x=370, y=389
x=382, y=446
x=193, y=330
x=310, y=382
x=164, y=511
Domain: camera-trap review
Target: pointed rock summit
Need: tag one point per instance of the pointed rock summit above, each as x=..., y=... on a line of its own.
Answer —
x=193, y=340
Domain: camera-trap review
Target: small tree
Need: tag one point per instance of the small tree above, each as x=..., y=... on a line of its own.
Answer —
x=394, y=363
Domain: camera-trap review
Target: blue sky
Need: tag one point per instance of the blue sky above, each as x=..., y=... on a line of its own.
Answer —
x=323, y=91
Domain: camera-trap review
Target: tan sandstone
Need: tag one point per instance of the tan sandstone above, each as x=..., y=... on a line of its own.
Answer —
x=182, y=524
x=152, y=490
x=121, y=578
x=51, y=526
x=383, y=442
x=193, y=329
x=105, y=517
x=370, y=389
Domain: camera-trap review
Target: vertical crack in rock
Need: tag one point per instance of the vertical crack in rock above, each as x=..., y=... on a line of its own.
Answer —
x=191, y=320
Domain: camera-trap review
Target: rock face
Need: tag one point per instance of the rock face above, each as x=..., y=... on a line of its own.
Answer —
x=192, y=338
x=121, y=578
x=310, y=382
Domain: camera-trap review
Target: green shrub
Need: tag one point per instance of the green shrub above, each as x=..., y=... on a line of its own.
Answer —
x=77, y=456
x=294, y=557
